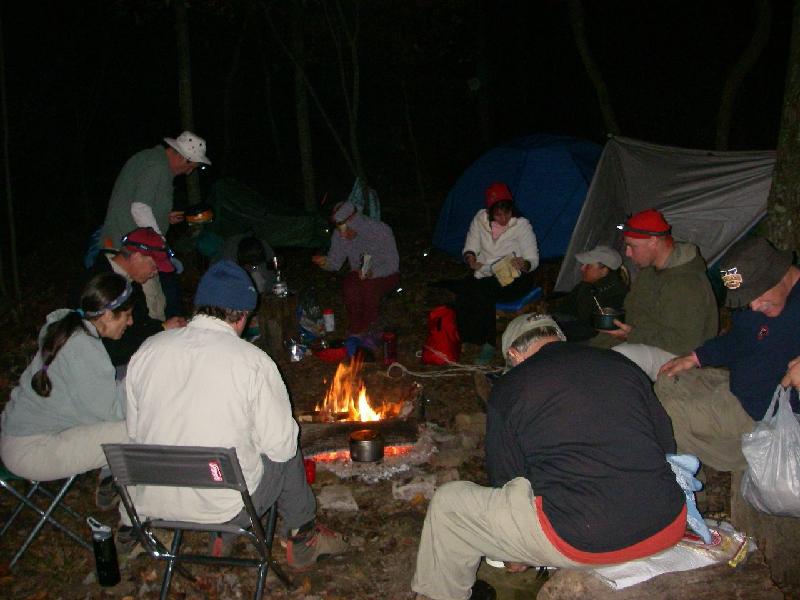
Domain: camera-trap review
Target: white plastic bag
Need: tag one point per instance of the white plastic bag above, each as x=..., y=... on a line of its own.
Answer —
x=772, y=480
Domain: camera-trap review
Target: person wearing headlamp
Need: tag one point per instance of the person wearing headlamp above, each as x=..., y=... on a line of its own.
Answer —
x=671, y=308
x=68, y=401
x=369, y=248
x=141, y=256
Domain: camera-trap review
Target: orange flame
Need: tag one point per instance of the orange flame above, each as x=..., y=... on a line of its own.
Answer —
x=347, y=399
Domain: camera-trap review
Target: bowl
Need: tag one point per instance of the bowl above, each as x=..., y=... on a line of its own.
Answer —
x=366, y=445
x=199, y=214
x=605, y=320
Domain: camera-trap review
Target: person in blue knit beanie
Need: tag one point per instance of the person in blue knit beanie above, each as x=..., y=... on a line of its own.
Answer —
x=205, y=386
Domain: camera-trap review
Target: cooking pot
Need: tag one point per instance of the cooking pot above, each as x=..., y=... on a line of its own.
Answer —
x=605, y=320
x=366, y=445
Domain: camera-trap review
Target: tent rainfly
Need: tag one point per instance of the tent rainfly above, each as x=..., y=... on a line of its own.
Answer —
x=709, y=198
x=548, y=176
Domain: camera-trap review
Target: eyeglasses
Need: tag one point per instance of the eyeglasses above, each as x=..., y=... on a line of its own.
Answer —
x=142, y=246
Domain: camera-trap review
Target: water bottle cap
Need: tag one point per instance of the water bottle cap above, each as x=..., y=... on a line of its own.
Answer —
x=98, y=529
x=327, y=311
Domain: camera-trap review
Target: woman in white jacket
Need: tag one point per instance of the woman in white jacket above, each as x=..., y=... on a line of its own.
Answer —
x=501, y=249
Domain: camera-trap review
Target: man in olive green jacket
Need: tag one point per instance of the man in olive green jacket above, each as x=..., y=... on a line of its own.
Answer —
x=671, y=308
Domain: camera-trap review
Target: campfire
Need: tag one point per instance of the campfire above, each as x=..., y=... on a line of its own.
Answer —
x=347, y=398
x=349, y=403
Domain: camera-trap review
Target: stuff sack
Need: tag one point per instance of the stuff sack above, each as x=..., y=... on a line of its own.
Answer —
x=443, y=345
x=772, y=480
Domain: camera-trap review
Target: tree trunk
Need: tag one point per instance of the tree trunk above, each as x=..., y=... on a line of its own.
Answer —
x=482, y=78
x=301, y=106
x=273, y=126
x=226, y=101
x=185, y=88
x=12, y=231
x=783, y=210
x=576, y=17
x=740, y=70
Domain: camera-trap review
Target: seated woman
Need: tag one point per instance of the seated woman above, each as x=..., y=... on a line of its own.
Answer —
x=601, y=279
x=371, y=252
x=68, y=402
x=501, y=250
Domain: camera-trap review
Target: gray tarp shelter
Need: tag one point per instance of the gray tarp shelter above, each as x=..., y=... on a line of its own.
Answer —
x=710, y=198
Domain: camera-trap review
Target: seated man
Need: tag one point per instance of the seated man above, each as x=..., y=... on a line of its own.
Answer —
x=203, y=385
x=712, y=408
x=141, y=256
x=370, y=249
x=575, y=452
x=671, y=307
x=600, y=283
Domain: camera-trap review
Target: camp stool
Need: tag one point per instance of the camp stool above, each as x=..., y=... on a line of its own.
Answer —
x=198, y=468
x=518, y=306
x=45, y=516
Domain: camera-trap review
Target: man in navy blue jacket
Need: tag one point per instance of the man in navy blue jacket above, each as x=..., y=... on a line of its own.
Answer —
x=711, y=408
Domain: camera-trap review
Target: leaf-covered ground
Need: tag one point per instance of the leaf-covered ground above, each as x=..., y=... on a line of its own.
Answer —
x=384, y=532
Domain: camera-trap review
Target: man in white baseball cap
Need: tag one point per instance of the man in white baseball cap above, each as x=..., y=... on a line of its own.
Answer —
x=602, y=282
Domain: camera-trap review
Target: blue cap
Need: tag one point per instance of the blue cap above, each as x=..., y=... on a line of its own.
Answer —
x=226, y=285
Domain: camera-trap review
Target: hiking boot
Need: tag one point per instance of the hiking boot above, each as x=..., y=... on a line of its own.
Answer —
x=482, y=591
x=105, y=494
x=305, y=549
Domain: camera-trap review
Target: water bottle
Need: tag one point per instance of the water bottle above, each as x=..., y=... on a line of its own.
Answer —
x=105, y=553
x=329, y=319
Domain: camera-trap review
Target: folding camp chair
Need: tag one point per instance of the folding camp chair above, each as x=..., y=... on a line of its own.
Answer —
x=194, y=467
x=45, y=516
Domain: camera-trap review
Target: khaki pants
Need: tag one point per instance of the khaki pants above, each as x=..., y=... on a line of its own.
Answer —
x=465, y=522
x=649, y=358
x=53, y=456
x=707, y=419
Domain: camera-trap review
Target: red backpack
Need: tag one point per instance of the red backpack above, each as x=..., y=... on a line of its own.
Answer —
x=443, y=344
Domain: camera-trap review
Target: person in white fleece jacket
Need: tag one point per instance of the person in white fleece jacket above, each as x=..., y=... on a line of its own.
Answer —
x=497, y=236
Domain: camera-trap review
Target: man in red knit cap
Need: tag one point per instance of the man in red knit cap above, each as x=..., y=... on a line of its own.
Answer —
x=671, y=307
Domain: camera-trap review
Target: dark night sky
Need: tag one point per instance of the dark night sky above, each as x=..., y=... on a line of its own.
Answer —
x=91, y=82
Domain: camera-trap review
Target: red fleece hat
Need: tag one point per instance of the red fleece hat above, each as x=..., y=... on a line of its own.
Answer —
x=497, y=192
x=145, y=240
x=645, y=224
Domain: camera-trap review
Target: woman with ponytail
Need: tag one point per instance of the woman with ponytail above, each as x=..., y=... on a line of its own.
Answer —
x=68, y=401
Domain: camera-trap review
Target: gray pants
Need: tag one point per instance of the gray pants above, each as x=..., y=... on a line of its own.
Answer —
x=707, y=419
x=286, y=483
x=465, y=522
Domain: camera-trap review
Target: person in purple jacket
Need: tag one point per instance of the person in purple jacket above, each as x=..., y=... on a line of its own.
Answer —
x=369, y=248
x=711, y=408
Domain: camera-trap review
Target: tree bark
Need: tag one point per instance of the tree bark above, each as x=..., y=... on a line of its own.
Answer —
x=226, y=101
x=576, y=17
x=12, y=230
x=301, y=107
x=273, y=126
x=783, y=205
x=185, y=88
x=740, y=70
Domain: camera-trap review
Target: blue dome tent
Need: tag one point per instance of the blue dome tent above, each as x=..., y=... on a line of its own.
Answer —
x=548, y=176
